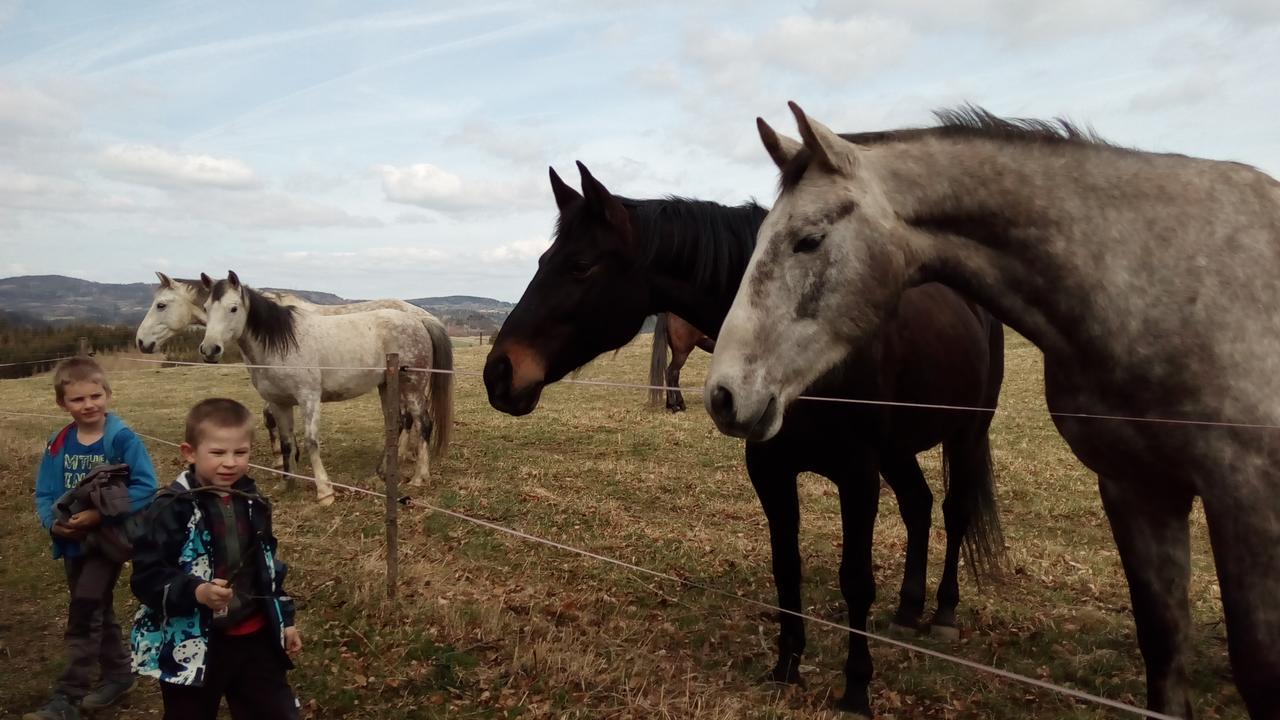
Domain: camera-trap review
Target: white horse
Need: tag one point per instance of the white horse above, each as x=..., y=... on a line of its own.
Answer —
x=294, y=344
x=178, y=304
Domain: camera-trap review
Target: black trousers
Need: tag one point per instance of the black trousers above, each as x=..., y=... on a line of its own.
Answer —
x=248, y=670
x=93, y=637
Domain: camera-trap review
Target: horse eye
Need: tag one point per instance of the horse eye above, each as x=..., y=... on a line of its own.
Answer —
x=234, y=308
x=808, y=243
x=581, y=269
x=160, y=306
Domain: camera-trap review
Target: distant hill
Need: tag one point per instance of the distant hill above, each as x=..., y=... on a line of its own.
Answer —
x=58, y=300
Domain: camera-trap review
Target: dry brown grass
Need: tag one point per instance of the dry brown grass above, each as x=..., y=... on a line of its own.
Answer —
x=488, y=626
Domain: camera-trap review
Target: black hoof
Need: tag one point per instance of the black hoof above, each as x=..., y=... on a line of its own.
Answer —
x=858, y=707
x=785, y=673
x=906, y=620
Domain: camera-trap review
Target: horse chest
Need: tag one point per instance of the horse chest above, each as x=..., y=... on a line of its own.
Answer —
x=1117, y=448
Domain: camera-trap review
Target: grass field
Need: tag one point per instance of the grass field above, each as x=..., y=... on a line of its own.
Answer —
x=488, y=626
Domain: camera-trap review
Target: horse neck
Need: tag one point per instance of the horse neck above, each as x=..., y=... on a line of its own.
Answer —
x=677, y=284
x=1062, y=242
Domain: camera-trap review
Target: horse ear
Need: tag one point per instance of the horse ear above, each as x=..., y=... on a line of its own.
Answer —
x=780, y=147
x=565, y=195
x=832, y=151
x=165, y=282
x=601, y=200
x=206, y=281
x=233, y=279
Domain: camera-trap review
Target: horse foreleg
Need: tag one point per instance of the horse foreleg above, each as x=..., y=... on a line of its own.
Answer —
x=283, y=417
x=273, y=439
x=1245, y=534
x=675, y=399
x=311, y=420
x=859, y=501
x=775, y=485
x=1152, y=534
x=915, y=504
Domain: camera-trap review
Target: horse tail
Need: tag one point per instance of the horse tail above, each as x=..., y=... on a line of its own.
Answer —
x=658, y=360
x=983, y=544
x=984, y=539
x=440, y=390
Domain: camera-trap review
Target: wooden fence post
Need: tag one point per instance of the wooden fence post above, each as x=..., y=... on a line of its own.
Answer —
x=391, y=416
x=84, y=347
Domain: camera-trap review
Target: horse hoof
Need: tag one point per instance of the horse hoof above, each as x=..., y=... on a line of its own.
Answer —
x=325, y=501
x=901, y=630
x=949, y=633
x=861, y=711
x=784, y=677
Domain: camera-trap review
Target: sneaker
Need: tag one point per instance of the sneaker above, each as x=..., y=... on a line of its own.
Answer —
x=58, y=708
x=108, y=693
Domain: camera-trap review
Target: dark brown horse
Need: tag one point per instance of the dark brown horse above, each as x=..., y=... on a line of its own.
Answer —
x=616, y=261
x=674, y=332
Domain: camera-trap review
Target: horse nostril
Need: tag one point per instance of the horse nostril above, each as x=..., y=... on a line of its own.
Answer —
x=497, y=375
x=504, y=371
x=722, y=401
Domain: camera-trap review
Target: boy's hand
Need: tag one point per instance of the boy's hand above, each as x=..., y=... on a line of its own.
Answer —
x=86, y=519
x=292, y=640
x=215, y=595
x=66, y=532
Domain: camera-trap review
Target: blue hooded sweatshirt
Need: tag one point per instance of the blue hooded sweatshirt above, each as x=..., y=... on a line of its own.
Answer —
x=121, y=446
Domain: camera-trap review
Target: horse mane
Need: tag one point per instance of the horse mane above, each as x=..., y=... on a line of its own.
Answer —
x=194, y=289
x=274, y=326
x=964, y=122
x=715, y=240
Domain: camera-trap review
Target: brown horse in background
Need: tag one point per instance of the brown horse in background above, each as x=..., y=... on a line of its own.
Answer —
x=673, y=331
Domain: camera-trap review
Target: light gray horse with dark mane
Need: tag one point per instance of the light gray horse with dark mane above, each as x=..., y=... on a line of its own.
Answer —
x=1150, y=281
x=301, y=359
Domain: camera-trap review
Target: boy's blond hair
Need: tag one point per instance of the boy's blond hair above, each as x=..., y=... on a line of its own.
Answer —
x=78, y=369
x=218, y=412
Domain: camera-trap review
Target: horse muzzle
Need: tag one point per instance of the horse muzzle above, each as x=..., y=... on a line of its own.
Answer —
x=211, y=353
x=504, y=396
x=754, y=416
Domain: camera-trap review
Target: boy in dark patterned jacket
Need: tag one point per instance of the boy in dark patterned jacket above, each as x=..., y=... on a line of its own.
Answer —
x=216, y=620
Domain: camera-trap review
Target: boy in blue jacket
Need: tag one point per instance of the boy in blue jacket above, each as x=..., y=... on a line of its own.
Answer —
x=94, y=437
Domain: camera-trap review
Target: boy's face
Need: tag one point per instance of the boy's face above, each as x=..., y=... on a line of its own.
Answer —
x=221, y=455
x=86, y=401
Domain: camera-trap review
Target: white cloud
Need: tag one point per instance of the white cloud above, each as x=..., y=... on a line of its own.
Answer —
x=413, y=218
x=19, y=183
x=1192, y=89
x=518, y=250
x=268, y=210
x=1026, y=22
x=52, y=193
x=519, y=144
x=833, y=52
x=434, y=188
x=150, y=165
x=26, y=111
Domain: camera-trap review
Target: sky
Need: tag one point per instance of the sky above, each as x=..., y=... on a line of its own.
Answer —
x=386, y=149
